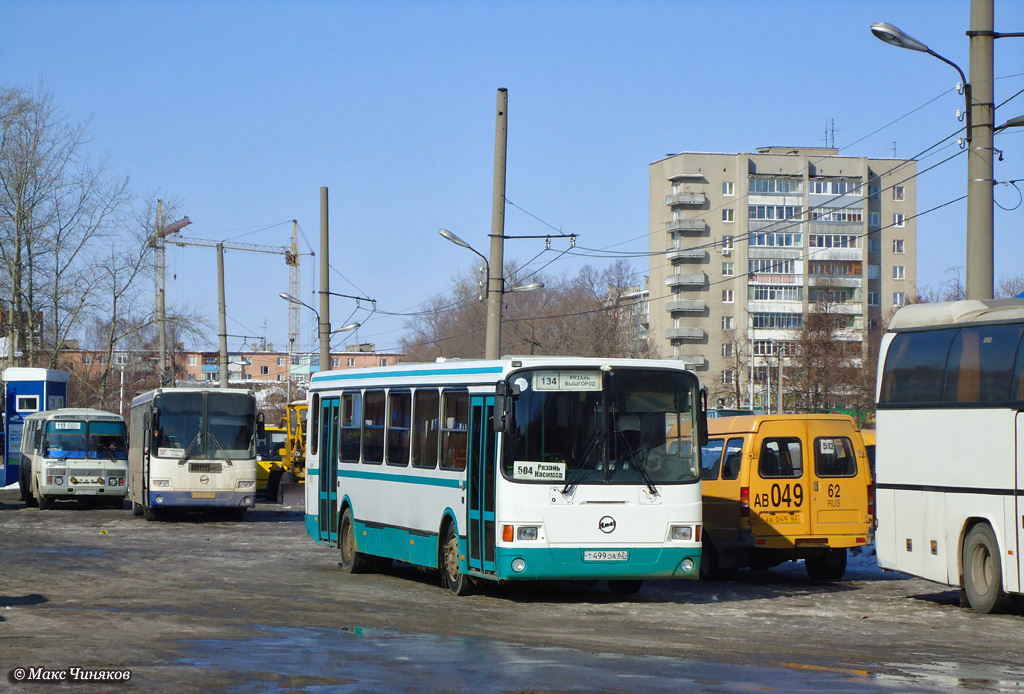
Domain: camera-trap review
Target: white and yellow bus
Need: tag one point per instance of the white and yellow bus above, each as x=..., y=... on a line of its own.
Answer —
x=192, y=449
x=513, y=469
x=71, y=453
x=949, y=462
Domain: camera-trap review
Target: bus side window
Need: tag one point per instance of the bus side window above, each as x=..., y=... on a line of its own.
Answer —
x=780, y=457
x=426, y=417
x=351, y=419
x=314, y=430
x=454, y=423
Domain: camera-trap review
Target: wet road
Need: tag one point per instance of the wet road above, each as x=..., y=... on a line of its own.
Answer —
x=258, y=607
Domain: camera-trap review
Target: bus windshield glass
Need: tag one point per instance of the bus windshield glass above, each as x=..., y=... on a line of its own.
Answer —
x=79, y=439
x=231, y=424
x=583, y=427
x=204, y=425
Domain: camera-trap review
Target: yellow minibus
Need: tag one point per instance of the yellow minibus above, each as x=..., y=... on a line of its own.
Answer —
x=777, y=488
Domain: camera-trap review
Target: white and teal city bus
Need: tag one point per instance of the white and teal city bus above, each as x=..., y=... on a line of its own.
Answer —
x=192, y=449
x=70, y=453
x=512, y=469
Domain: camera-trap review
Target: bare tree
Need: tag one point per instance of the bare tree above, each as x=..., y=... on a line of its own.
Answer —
x=56, y=207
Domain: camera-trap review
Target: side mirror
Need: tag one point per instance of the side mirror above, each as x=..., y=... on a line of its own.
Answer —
x=702, y=418
x=505, y=394
x=261, y=427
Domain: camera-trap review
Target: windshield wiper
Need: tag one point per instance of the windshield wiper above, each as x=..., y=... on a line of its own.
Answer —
x=188, y=450
x=579, y=472
x=67, y=455
x=638, y=460
x=108, y=452
x=222, y=450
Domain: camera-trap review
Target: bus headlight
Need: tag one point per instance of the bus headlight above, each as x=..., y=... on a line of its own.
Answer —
x=527, y=532
x=112, y=482
x=680, y=532
x=518, y=565
x=246, y=484
x=687, y=565
x=58, y=480
x=161, y=484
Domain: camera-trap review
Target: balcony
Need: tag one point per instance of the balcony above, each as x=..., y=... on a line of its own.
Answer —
x=685, y=198
x=775, y=279
x=835, y=253
x=674, y=254
x=686, y=305
x=679, y=280
x=692, y=361
x=684, y=333
x=830, y=281
x=682, y=226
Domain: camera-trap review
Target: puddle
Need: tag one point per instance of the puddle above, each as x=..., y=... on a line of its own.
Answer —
x=289, y=660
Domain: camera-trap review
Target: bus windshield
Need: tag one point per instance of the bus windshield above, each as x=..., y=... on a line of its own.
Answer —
x=205, y=425
x=581, y=427
x=80, y=439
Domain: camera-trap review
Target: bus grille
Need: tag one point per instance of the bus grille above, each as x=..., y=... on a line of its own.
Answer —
x=204, y=467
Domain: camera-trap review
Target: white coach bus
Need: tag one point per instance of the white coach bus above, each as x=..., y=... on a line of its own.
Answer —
x=192, y=449
x=950, y=447
x=512, y=469
x=72, y=453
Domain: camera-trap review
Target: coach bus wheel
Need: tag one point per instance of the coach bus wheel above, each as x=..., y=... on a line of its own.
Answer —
x=352, y=562
x=137, y=510
x=42, y=502
x=830, y=565
x=451, y=573
x=625, y=587
x=983, y=572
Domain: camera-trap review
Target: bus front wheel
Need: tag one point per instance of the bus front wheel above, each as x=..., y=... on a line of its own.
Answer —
x=451, y=570
x=983, y=572
x=352, y=562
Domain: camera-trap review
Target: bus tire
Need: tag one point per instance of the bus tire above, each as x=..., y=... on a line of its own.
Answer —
x=42, y=502
x=625, y=587
x=710, y=564
x=983, y=572
x=151, y=514
x=273, y=485
x=830, y=565
x=137, y=510
x=352, y=562
x=452, y=577
x=30, y=498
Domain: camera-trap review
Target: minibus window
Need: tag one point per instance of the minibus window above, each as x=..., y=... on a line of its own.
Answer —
x=733, y=459
x=781, y=457
x=711, y=459
x=834, y=457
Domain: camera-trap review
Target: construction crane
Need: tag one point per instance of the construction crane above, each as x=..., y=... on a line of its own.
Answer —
x=291, y=259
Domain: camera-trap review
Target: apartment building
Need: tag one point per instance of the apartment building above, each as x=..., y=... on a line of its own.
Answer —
x=744, y=245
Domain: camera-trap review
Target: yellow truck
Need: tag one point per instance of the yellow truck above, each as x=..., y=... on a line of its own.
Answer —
x=286, y=475
x=269, y=451
x=777, y=488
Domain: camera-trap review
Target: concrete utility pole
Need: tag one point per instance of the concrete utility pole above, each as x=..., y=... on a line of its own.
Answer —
x=222, y=320
x=156, y=242
x=325, y=305
x=495, y=279
x=980, y=172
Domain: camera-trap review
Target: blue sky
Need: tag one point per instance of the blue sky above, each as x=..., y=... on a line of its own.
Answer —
x=243, y=110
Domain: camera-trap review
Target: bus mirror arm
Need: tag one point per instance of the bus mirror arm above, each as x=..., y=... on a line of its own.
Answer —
x=702, y=418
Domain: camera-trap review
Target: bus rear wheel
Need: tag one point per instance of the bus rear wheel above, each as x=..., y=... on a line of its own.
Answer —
x=830, y=565
x=983, y=572
x=352, y=562
x=451, y=571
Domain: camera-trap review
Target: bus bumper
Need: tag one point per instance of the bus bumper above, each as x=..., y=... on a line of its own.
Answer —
x=569, y=564
x=246, y=499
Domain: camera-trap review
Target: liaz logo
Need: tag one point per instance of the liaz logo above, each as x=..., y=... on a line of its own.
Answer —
x=606, y=525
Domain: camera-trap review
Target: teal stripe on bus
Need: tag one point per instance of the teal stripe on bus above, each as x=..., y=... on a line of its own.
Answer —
x=402, y=374
x=405, y=479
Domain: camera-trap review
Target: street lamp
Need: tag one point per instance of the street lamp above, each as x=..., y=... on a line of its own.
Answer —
x=495, y=289
x=895, y=37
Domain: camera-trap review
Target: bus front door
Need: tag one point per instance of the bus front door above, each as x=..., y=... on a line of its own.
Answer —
x=480, y=504
x=328, y=480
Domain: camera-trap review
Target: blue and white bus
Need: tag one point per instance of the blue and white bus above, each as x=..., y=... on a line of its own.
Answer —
x=192, y=449
x=512, y=469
